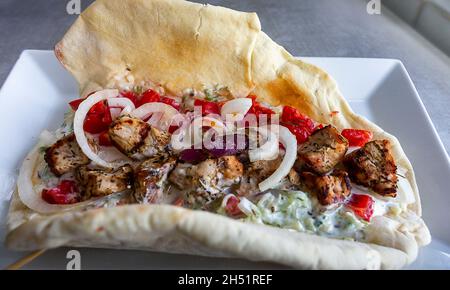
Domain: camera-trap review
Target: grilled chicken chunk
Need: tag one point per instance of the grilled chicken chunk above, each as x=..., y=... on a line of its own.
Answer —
x=150, y=178
x=254, y=173
x=230, y=167
x=322, y=151
x=329, y=189
x=65, y=155
x=373, y=166
x=136, y=138
x=262, y=169
x=98, y=182
x=205, y=181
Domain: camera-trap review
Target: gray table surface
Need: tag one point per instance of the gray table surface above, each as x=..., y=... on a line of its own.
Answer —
x=338, y=28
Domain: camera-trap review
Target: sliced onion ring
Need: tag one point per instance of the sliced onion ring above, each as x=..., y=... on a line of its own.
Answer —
x=269, y=150
x=162, y=122
x=226, y=198
x=78, y=122
x=194, y=133
x=247, y=207
x=290, y=144
x=124, y=103
x=236, y=109
x=179, y=140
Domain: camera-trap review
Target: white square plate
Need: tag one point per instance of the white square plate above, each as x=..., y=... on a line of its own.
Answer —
x=35, y=95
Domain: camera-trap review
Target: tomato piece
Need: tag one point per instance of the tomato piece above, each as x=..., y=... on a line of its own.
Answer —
x=131, y=96
x=299, y=125
x=75, y=104
x=104, y=140
x=149, y=96
x=173, y=128
x=232, y=208
x=300, y=133
x=291, y=115
x=357, y=137
x=179, y=202
x=258, y=109
x=208, y=107
x=170, y=102
x=98, y=118
x=362, y=205
x=64, y=193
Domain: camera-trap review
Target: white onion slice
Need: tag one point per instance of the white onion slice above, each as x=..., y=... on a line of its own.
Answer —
x=179, y=140
x=161, y=121
x=236, y=109
x=124, y=103
x=290, y=144
x=247, y=207
x=195, y=131
x=78, y=122
x=269, y=150
x=115, y=112
x=225, y=199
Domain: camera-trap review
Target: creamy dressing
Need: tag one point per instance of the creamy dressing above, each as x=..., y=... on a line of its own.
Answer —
x=299, y=211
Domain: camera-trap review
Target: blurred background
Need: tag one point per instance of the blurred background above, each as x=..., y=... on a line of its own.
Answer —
x=431, y=18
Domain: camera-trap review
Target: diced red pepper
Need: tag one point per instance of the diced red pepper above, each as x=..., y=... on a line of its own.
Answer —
x=299, y=125
x=172, y=129
x=149, y=96
x=64, y=193
x=98, y=118
x=334, y=113
x=318, y=127
x=170, y=102
x=291, y=115
x=357, y=137
x=131, y=96
x=75, y=104
x=179, y=202
x=232, y=208
x=258, y=109
x=300, y=133
x=362, y=205
x=208, y=107
x=104, y=140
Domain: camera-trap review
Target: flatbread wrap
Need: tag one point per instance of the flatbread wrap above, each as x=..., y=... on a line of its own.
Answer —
x=196, y=133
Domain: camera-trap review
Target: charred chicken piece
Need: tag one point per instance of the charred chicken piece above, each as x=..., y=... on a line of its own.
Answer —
x=136, y=138
x=150, y=178
x=373, y=166
x=230, y=167
x=255, y=172
x=99, y=182
x=65, y=155
x=205, y=181
x=294, y=177
x=322, y=151
x=262, y=169
x=329, y=189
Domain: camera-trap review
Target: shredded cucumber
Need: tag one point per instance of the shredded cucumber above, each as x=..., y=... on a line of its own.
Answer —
x=296, y=210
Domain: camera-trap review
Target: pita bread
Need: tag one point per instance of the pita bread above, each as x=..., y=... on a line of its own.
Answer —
x=184, y=45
